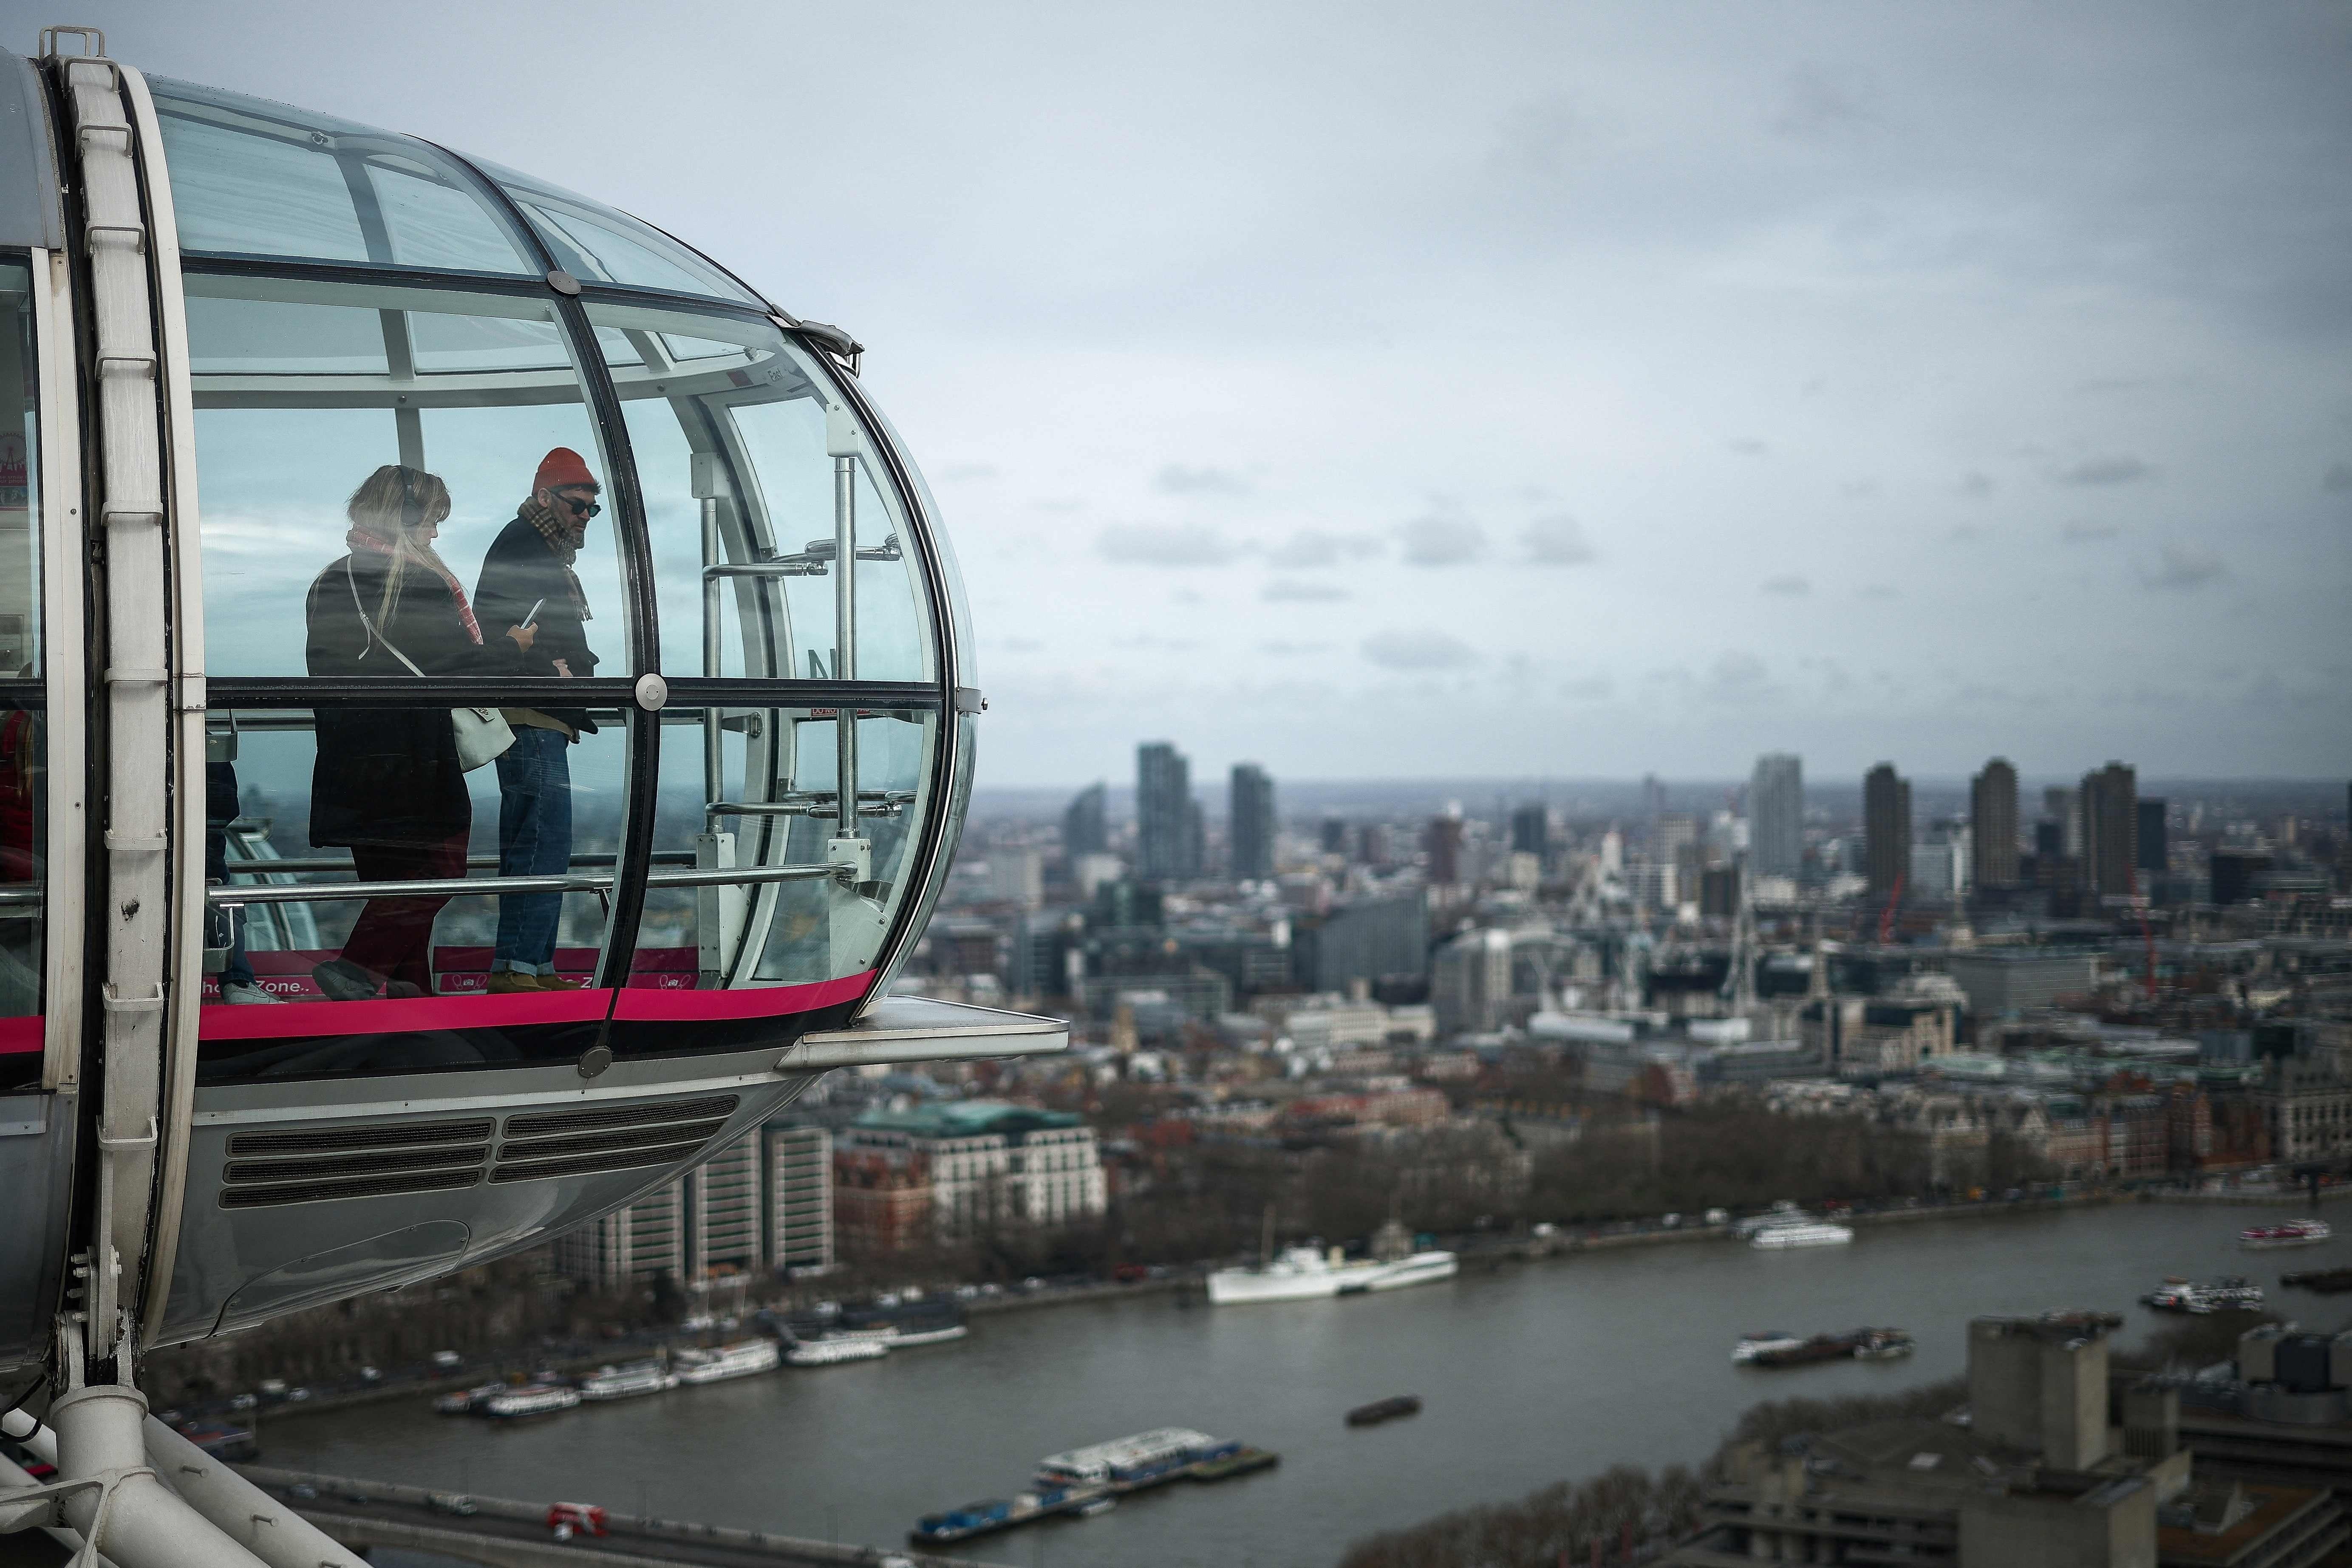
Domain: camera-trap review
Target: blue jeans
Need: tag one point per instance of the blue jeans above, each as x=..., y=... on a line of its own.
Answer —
x=534, y=841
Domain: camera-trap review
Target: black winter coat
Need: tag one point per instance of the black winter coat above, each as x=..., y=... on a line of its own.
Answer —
x=518, y=571
x=389, y=776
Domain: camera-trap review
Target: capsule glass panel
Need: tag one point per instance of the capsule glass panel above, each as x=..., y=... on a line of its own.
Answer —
x=597, y=245
x=733, y=430
x=305, y=390
x=255, y=178
x=22, y=721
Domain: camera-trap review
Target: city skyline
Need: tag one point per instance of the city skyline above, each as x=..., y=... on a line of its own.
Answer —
x=1833, y=382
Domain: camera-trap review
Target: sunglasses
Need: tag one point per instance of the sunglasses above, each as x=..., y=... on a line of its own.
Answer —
x=579, y=508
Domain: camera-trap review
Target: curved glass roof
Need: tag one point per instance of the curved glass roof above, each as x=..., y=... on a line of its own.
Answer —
x=254, y=178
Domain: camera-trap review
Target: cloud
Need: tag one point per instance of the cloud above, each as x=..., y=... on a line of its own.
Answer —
x=2080, y=533
x=2337, y=480
x=1588, y=689
x=1556, y=540
x=2183, y=569
x=957, y=473
x=1789, y=587
x=1738, y=676
x=1020, y=645
x=1856, y=490
x=1176, y=480
x=1436, y=541
x=1312, y=548
x=1418, y=651
x=1821, y=103
x=1281, y=649
x=2120, y=470
x=1748, y=446
x=1976, y=484
x=1880, y=591
x=1143, y=544
x=1290, y=590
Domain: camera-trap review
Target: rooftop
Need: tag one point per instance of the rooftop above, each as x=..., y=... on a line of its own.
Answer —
x=967, y=1119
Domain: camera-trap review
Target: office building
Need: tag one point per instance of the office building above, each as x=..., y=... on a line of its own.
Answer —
x=634, y=1244
x=2155, y=843
x=1167, y=818
x=957, y=1169
x=1086, y=825
x=1531, y=831
x=2234, y=877
x=1249, y=823
x=1776, y=815
x=1335, y=835
x=1992, y=822
x=1443, y=843
x=2109, y=805
x=1362, y=939
x=799, y=1197
x=2064, y=807
x=1016, y=874
x=726, y=1219
x=2003, y=982
x=1470, y=982
x=1886, y=829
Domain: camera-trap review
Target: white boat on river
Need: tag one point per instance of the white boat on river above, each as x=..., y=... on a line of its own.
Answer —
x=1302, y=1273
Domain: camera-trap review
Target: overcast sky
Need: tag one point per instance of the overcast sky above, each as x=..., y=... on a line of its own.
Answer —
x=1398, y=391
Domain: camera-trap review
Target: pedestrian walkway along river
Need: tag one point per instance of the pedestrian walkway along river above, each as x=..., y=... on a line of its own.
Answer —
x=1535, y=1373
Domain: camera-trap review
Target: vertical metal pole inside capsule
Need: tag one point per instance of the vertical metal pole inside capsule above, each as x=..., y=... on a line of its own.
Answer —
x=845, y=632
x=712, y=759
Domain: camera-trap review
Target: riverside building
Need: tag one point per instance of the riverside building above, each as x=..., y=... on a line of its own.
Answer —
x=949, y=1172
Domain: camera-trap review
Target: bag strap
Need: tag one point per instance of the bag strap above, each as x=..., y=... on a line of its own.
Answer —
x=374, y=637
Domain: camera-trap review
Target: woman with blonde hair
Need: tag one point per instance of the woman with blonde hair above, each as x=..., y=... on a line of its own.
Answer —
x=388, y=782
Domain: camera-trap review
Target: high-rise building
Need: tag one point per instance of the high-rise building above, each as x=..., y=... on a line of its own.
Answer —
x=1531, y=830
x=726, y=1223
x=1444, y=842
x=1085, y=827
x=800, y=1196
x=2110, y=806
x=1167, y=818
x=1653, y=797
x=1364, y=938
x=1470, y=981
x=2155, y=843
x=1776, y=815
x=646, y=1238
x=2061, y=807
x=1249, y=823
x=1335, y=835
x=1886, y=829
x=1992, y=820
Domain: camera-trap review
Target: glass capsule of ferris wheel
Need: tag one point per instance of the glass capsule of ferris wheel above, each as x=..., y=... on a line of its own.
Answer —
x=486, y=709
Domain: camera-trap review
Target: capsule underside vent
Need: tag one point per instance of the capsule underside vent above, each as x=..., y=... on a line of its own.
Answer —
x=320, y=1165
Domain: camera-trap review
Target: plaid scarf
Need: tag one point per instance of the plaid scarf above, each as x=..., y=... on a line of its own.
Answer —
x=564, y=537
x=360, y=539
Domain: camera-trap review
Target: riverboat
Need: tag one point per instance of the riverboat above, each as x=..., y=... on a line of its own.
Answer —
x=1885, y=1345
x=1388, y=1409
x=531, y=1399
x=2293, y=1233
x=1786, y=1350
x=1802, y=1233
x=925, y=1320
x=835, y=1349
x=630, y=1382
x=993, y=1514
x=2327, y=1281
x=1130, y=1464
x=1307, y=1273
x=1243, y=1461
x=466, y=1401
x=2231, y=1292
x=1750, y=1346
x=742, y=1359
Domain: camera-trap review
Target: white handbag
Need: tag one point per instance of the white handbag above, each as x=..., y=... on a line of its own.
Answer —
x=482, y=734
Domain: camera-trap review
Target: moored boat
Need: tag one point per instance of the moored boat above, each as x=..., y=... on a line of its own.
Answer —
x=1860, y=1344
x=627, y=1382
x=2293, y=1233
x=2327, y=1281
x=1307, y=1273
x=742, y=1359
x=1753, y=1345
x=531, y=1399
x=834, y=1349
x=1802, y=1233
x=466, y=1400
x=1129, y=1464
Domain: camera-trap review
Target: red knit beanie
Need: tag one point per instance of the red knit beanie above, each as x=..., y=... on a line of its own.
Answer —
x=561, y=467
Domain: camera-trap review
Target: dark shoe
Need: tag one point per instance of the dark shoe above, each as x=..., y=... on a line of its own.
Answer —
x=400, y=990
x=344, y=980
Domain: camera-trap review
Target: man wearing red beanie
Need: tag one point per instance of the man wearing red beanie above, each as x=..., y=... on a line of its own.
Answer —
x=527, y=577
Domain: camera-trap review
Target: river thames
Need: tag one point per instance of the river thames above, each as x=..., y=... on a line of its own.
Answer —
x=1534, y=1373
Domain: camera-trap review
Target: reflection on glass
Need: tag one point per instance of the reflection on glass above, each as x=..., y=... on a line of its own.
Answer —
x=304, y=389
x=285, y=817
x=251, y=177
x=734, y=432
x=22, y=742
